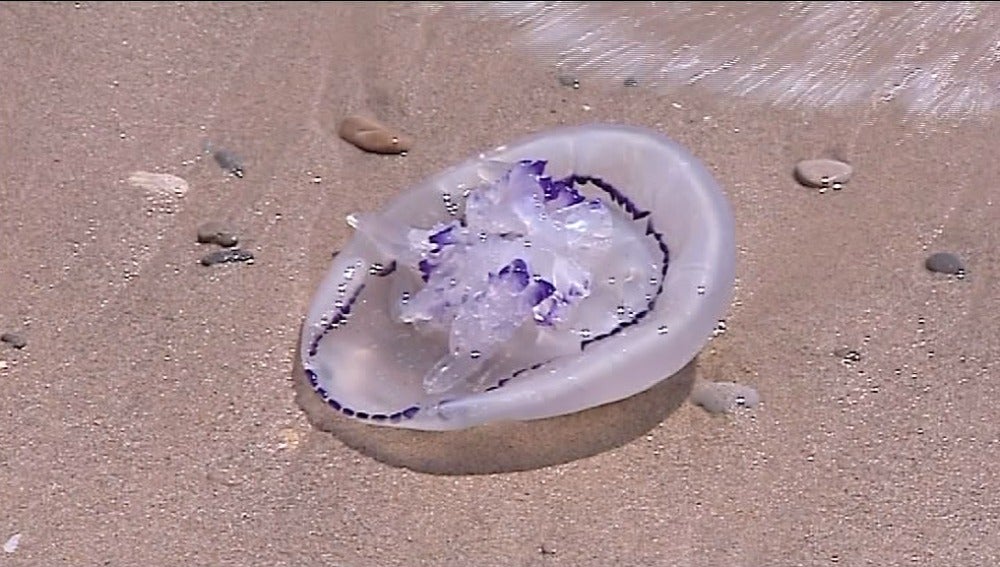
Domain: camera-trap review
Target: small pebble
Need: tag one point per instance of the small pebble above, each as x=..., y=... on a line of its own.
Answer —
x=291, y=438
x=631, y=82
x=10, y=546
x=15, y=340
x=3, y=365
x=568, y=81
x=229, y=161
x=159, y=183
x=945, y=263
x=723, y=397
x=847, y=355
x=823, y=173
x=214, y=232
x=227, y=255
x=373, y=136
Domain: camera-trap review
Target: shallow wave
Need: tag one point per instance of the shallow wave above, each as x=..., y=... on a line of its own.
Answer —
x=936, y=59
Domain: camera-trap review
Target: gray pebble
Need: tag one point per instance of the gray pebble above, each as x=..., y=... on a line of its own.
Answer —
x=228, y=161
x=847, y=355
x=631, y=82
x=945, y=263
x=723, y=397
x=569, y=81
x=227, y=255
x=15, y=340
x=823, y=173
x=215, y=232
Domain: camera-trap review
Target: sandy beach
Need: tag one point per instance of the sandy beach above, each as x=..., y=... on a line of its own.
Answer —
x=155, y=416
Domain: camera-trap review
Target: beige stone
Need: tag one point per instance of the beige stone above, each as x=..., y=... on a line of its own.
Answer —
x=373, y=136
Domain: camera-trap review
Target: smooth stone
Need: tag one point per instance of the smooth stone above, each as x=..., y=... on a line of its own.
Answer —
x=821, y=173
x=229, y=161
x=723, y=397
x=568, y=81
x=373, y=136
x=15, y=340
x=10, y=546
x=227, y=255
x=945, y=263
x=215, y=232
x=159, y=183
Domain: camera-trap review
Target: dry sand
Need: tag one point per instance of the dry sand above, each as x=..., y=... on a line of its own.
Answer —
x=152, y=417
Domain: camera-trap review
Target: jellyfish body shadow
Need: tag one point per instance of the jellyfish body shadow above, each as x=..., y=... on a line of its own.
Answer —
x=507, y=446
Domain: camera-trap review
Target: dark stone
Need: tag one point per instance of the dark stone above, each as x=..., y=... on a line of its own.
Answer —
x=945, y=263
x=15, y=340
x=228, y=161
x=227, y=255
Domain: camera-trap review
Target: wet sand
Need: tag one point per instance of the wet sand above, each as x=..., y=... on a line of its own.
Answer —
x=154, y=416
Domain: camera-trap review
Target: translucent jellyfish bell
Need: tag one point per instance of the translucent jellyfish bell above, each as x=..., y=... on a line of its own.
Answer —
x=530, y=282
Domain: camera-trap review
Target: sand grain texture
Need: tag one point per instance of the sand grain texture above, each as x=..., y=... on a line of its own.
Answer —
x=152, y=417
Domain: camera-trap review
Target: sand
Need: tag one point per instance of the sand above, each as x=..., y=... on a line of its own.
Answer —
x=154, y=418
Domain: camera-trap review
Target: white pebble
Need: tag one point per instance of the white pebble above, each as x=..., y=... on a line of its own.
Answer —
x=822, y=173
x=723, y=397
x=159, y=183
x=12, y=543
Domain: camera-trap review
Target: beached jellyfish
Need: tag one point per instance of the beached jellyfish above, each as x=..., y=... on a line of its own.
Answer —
x=530, y=282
